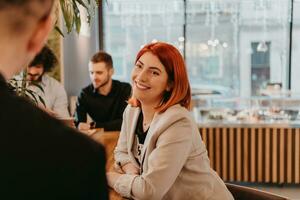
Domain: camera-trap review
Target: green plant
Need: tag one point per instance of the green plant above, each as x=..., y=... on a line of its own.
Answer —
x=72, y=18
x=20, y=85
x=71, y=12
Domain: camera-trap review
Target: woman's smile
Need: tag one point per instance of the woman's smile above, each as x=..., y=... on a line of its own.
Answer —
x=141, y=86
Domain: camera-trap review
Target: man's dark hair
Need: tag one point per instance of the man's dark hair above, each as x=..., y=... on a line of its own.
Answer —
x=102, y=56
x=46, y=58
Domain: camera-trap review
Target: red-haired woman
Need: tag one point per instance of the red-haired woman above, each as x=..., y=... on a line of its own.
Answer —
x=160, y=154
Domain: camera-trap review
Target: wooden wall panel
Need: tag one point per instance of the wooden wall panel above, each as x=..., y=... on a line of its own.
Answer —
x=254, y=154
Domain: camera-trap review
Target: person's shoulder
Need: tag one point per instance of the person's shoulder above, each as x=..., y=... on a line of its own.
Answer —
x=47, y=77
x=25, y=112
x=87, y=89
x=130, y=110
x=178, y=110
x=48, y=80
x=32, y=119
x=121, y=84
x=174, y=114
x=13, y=102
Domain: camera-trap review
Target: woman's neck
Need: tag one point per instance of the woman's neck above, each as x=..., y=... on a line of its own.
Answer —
x=148, y=113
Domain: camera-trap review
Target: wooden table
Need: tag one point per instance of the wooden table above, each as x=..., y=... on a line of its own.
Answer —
x=109, y=141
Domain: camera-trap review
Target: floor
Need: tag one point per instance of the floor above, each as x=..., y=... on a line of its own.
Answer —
x=291, y=191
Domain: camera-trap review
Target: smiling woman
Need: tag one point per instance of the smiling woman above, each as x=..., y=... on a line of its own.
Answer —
x=160, y=154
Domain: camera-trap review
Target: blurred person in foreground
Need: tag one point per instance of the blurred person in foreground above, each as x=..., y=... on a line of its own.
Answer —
x=54, y=94
x=160, y=153
x=40, y=157
x=104, y=100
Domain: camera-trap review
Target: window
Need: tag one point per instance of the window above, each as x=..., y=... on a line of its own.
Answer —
x=260, y=66
x=130, y=24
x=228, y=45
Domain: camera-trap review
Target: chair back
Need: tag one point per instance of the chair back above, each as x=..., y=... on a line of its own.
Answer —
x=247, y=193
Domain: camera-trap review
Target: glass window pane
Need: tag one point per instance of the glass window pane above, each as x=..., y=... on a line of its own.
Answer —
x=130, y=24
x=295, y=82
x=237, y=47
x=232, y=47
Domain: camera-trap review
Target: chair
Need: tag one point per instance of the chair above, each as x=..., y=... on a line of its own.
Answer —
x=247, y=193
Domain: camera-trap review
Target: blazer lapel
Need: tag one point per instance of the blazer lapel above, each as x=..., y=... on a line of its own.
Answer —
x=150, y=133
x=132, y=129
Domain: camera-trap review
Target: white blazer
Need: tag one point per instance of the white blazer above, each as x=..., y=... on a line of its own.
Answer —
x=174, y=164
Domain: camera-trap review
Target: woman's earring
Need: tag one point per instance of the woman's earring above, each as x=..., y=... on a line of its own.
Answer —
x=168, y=89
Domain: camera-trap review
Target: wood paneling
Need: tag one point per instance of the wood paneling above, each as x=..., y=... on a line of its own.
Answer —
x=254, y=154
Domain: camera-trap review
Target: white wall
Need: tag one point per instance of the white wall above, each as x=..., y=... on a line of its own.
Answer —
x=77, y=50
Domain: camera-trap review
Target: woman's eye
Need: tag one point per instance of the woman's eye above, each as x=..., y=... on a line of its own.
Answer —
x=155, y=73
x=138, y=66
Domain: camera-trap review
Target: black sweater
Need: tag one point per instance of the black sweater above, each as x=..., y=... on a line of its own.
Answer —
x=106, y=111
x=41, y=158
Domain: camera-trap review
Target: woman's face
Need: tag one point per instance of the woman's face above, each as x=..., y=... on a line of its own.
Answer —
x=149, y=80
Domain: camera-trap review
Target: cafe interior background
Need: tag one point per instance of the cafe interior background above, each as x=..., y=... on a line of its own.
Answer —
x=243, y=61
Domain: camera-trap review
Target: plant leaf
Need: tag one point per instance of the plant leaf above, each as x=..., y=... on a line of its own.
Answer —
x=68, y=13
x=82, y=3
x=98, y=2
x=37, y=85
x=31, y=95
x=78, y=24
x=42, y=101
x=77, y=16
x=59, y=31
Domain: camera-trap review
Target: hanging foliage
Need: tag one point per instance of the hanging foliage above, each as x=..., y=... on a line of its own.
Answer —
x=71, y=13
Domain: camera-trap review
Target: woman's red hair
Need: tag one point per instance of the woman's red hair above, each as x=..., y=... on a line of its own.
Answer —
x=173, y=62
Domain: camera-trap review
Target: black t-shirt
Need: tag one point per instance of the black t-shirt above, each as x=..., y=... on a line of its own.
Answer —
x=139, y=131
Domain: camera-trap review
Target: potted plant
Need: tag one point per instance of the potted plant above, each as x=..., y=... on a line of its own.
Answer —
x=72, y=20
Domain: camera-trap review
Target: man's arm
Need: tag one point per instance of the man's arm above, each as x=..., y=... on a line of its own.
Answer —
x=80, y=112
x=113, y=125
x=60, y=106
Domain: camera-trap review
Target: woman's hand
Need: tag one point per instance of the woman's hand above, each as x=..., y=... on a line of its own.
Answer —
x=130, y=168
x=112, y=178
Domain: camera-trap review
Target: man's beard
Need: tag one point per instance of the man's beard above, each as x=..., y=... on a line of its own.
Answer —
x=104, y=83
x=39, y=79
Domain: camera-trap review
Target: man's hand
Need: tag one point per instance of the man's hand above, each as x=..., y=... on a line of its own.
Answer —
x=83, y=126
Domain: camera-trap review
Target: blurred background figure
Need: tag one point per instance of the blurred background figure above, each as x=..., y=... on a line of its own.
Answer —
x=40, y=157
x=54, y=93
